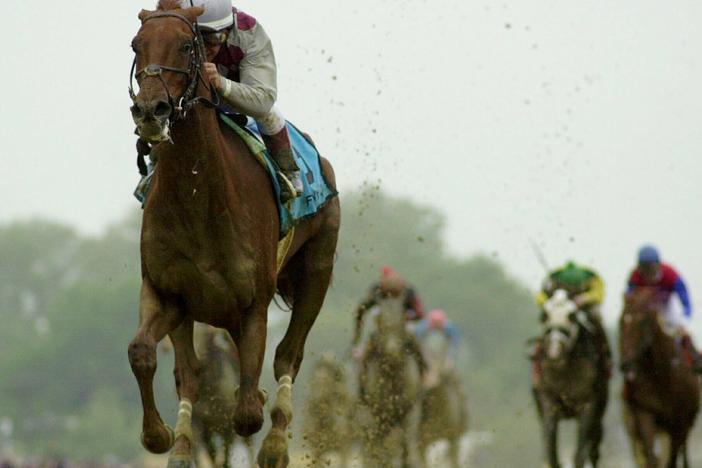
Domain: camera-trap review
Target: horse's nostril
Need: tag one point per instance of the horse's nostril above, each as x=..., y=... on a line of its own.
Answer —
x=136, y=111
x=162, y=109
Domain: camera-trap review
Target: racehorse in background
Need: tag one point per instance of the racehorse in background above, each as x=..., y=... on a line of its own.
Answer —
x=661, y=392
x=572, y=381
x=209, y=245
x=214, y=410
x=444, y=412
x=390, y=378
x=327, y=424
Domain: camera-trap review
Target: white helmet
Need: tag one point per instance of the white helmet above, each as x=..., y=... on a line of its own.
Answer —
x=217, y=16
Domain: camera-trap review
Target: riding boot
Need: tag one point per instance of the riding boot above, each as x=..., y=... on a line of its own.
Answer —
x=689, y=346
x=289, y=175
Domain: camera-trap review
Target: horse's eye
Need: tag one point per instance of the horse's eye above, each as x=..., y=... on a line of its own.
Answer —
x=135, y=46
x=186, y=48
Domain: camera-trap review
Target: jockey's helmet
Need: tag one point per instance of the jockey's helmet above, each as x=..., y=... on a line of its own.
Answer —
x=648, y=255
x=218, y=14
x=387, y=271
x=437, y=319
x=572, y=276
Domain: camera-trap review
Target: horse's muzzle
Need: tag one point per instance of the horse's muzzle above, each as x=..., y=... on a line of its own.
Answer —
x=152, y=119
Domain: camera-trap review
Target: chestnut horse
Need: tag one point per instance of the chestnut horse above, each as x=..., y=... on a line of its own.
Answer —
x=208, y=245
x=661, y=393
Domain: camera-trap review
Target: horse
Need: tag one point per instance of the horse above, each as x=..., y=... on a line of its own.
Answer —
x=390, y=377
x=328, y=413
x=573, y=381
x=212, y=414
x=661, y=393
x=443, y=414
x=209, y=244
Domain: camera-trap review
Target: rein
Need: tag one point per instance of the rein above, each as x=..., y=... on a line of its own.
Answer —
x=189, y=98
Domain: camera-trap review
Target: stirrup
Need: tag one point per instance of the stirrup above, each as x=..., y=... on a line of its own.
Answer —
x=288, y=190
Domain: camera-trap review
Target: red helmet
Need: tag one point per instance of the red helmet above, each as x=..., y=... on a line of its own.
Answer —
x=437, y=319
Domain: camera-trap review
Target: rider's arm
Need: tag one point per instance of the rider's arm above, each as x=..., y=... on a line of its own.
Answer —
x=454, y=336
x=594, y=295
x=257, y=90
x=681, y=290
x=368, y=302
x=414, y=303
x=634, y=281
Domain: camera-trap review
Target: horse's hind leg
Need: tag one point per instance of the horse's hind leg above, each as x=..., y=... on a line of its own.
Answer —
x=155, y=321
x=187, y=370
x=310, y=276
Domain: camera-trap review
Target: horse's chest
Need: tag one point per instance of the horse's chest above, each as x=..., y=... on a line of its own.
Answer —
x=205, y=284
x=573, y=385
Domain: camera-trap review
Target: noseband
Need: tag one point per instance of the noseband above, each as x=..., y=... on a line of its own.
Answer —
x=194, y=73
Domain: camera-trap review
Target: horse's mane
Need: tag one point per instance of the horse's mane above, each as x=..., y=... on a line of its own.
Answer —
x=639, y=300
x=168, y=5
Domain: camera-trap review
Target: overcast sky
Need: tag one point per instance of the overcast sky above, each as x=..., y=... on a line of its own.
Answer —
x=574, y=124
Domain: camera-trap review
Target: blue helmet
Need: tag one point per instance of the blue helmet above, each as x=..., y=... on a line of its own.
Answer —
x=649, y=254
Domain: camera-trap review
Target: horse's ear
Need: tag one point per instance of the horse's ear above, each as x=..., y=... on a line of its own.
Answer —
x=193, y=12
x=143, y=14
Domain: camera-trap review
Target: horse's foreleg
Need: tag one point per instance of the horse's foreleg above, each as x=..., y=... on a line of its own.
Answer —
x=646, y=426
x=550, y=435
x=586, y=423
x=187, y=370
x=250, y=339
x=677, y=449
x=155, y=321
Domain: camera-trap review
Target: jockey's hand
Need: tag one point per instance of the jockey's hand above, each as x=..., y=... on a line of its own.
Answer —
x=212, y=76
x=580, y=300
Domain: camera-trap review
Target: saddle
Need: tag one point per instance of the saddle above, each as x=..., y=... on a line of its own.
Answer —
x=316, y=190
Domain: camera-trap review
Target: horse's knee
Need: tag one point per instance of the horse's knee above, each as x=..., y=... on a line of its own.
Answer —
x=142, y=357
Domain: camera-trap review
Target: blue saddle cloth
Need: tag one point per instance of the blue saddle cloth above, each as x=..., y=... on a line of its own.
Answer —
x=317, y=191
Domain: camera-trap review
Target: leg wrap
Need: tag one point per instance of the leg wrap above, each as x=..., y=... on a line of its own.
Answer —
x=184, y=424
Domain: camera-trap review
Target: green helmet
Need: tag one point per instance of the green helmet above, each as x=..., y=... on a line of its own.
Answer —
x=572, y=275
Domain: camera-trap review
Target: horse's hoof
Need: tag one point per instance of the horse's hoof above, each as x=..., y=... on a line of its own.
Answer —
x=160, y=444
x=180, y=461
x=274, y=450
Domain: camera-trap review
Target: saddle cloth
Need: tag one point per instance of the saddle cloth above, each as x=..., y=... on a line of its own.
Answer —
x=316, y=191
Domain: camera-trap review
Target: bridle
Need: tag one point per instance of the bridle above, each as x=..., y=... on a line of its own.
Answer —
x=181, y=106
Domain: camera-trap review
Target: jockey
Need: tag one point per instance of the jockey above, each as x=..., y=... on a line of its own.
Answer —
x=652, y=273
x=437, y=322
x=242, y=68
x=389, y=279
x=586, y=289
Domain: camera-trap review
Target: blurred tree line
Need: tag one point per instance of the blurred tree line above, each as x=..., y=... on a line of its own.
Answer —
x=68, y=305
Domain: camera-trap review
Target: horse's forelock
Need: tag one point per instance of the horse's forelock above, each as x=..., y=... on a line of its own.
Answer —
x=168, y=5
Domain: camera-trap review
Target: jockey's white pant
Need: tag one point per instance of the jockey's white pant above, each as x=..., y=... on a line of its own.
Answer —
x=673, y=315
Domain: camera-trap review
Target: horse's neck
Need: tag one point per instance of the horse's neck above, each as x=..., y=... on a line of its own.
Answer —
x=192, y=168
x=663, y=346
